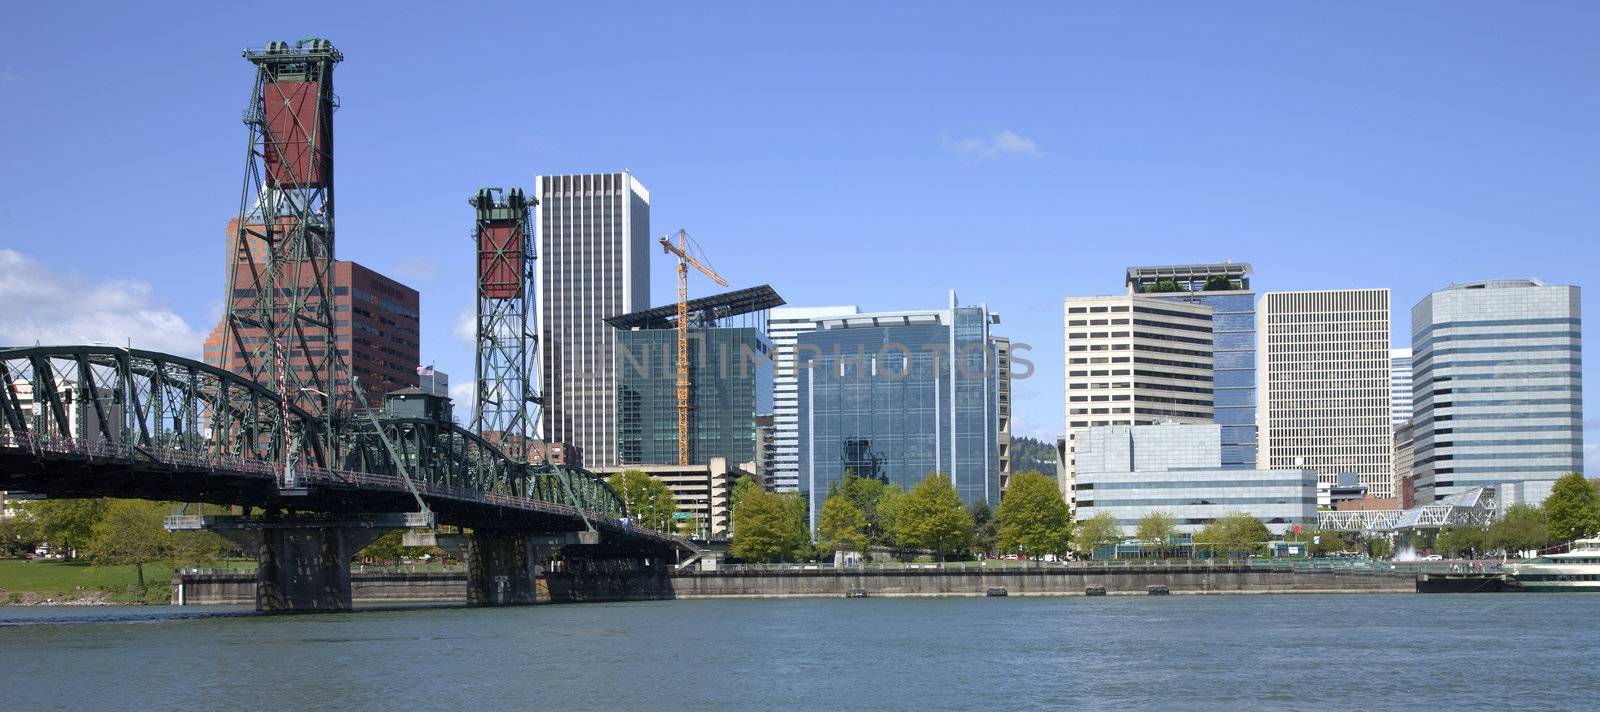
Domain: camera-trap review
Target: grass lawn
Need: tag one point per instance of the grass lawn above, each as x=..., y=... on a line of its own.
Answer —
x=76, y=579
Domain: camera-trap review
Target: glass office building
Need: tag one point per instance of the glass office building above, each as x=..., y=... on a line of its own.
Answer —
x=1498, y=389
x=897, y=396
x=1224, y=287
x=1176, y=469
x=730, y=380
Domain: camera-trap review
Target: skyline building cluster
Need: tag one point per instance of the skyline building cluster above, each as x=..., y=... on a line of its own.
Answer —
x=1489, y=393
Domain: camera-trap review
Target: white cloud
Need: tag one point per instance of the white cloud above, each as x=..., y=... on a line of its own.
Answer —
x=1004, y=143
x=463, y=395
x=51, y=308
x=467, y=328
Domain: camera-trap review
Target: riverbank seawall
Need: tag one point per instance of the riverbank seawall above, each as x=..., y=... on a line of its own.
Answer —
x=1062, y=581
x=379, y=588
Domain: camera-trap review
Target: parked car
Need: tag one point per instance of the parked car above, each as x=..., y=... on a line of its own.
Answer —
x=1433, y=557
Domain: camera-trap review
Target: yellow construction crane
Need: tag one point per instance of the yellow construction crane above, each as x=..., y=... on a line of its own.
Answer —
x=684, y=260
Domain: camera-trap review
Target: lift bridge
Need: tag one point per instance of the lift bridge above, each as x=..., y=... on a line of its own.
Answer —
x=1478, y=506
x=105, y=421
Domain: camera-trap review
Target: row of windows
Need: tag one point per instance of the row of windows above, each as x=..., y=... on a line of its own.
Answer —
x=1187, y=484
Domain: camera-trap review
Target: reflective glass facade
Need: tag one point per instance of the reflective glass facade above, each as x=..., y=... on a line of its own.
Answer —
x=1498, y=389
x=731, y=373
x=898, y=397
x=1233, y=355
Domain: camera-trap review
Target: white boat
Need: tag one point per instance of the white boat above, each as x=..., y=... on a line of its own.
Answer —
x=1575, y=571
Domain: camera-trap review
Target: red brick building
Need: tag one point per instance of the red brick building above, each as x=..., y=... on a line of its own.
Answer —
x=376, y=327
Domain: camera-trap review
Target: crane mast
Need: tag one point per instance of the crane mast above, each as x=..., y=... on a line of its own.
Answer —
x=681, y=250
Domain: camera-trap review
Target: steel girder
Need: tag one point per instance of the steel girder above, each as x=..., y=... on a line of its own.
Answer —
x=149, y=401
x=1475, y=507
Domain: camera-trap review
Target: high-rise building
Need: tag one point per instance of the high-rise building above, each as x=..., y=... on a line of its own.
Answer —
x=1324, y=392
x=1225, y=287
x=1134, y=360
x=897, y=396
x=1002, y=409
x=376, y=323
x=594, y=262
x=785, y=324
x=730, y=379
x=1499, y=388
x=1400, y=385
x=1403, y=455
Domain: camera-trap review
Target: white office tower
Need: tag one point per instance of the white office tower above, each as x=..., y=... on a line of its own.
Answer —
x=1134, y=360
x=594, y=262
x=1325, y=391
x=783, y=325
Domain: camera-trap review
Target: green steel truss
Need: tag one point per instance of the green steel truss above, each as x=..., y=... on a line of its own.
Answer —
x=279, y=325
x=149, y=408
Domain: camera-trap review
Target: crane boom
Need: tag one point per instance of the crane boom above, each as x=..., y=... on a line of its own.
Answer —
x=681, y=250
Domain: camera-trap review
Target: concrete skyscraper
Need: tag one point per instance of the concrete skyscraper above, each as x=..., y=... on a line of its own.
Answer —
x=1324, y=392
x=1133, y=360
x=594, y=262
x=1499, y=388
x=1225, y=287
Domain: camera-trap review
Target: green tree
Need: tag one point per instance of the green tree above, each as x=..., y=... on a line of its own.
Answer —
x=888, y=511
x=841, y=526
x=1233, y=534
x=1379, y=548
x=1159, y=529
x=1095, y=533
x=867, y=494
x=741, y=487
x=1523, y=527
x=984, y=528
x=67, y=524
x=648, y=500
x=931, y=517
x=1218, y=283
x=1456, y=541
x=1573, y=509
x=768, y=526
x=1033, y=518
x=1165, y=285
x=130, y=531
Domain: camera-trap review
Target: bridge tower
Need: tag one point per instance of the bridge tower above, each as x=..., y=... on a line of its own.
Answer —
x=279, y=326
x=506, y=408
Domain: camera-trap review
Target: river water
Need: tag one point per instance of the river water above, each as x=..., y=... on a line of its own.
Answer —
x=1369, y=651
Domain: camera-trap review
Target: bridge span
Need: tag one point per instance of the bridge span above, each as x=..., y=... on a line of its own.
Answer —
x=106, y=421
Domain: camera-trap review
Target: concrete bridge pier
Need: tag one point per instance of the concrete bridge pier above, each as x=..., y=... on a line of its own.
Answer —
x=302, y=563
x=508, y=568
x=608, y=572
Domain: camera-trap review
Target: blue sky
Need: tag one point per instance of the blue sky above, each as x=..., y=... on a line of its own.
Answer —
x=867, y=153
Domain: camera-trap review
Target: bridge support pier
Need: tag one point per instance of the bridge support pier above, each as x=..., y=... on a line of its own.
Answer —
x=507, y=568
x=302, y=563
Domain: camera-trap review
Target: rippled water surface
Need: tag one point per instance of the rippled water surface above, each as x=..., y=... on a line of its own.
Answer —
x=1508, y=651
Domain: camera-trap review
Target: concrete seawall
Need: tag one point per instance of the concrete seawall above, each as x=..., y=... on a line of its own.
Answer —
x=370, y=588
x=1040, y=582
x=380, y=588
